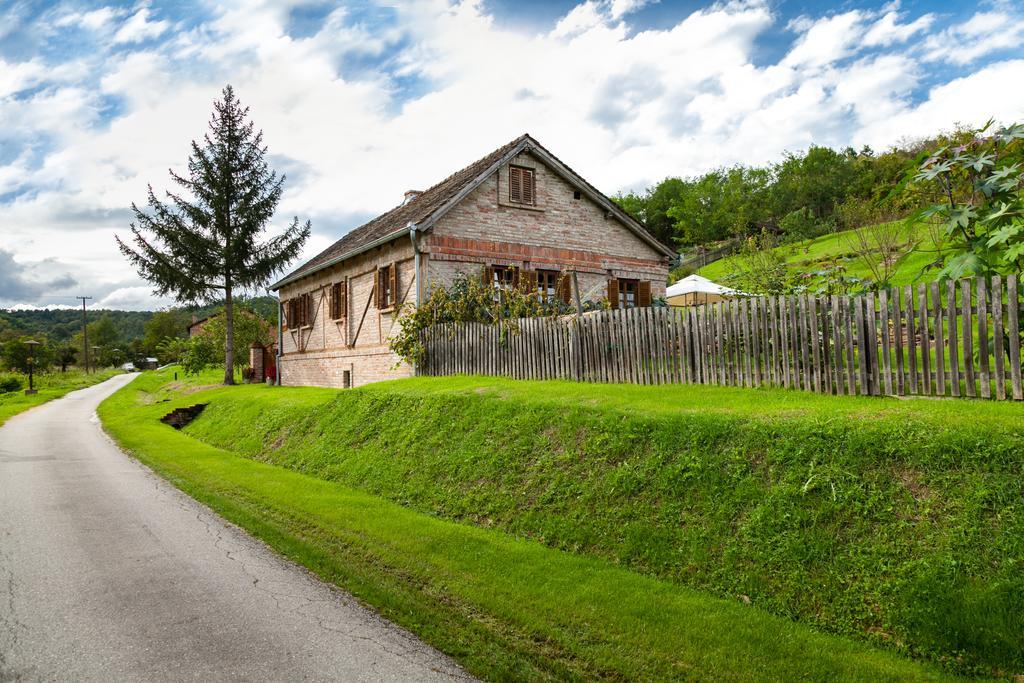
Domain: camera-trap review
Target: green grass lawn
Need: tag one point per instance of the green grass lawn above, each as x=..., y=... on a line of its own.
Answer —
x=812, y=255
x=51, y=385
x=558, y=530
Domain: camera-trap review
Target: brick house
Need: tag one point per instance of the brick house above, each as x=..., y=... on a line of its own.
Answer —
x=518, y=215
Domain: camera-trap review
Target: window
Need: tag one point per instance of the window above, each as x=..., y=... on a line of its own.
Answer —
x=298, y=311
x=339, y=300
x=577, y=194
x=387, y=286
x=502, y=277
x=627, y=293
x=521, y=185
x=547, y=284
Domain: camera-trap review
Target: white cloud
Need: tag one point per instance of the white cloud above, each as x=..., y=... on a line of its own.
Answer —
x=982, y=34
x=624, y=108
x=139, y=28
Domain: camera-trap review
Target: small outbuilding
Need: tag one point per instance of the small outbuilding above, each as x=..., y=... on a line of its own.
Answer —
x=695, y=290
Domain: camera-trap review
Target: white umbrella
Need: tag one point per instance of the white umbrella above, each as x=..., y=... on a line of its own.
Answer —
x=695, y=284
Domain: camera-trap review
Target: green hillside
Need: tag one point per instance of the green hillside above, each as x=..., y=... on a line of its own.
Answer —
x=813, y=255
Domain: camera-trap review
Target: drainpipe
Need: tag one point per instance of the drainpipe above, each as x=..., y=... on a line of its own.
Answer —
x=414, y=238
x=280, y=339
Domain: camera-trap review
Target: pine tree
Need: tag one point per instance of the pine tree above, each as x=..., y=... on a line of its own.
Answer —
x=206, y=244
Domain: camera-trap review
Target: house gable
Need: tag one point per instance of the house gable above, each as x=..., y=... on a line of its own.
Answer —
x=421, y=212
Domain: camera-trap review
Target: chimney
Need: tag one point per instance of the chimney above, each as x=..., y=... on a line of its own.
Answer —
x=195, y=318
x=411, y=195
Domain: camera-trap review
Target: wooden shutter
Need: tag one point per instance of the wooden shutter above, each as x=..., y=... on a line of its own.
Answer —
x=515, y=184
x=393, y=275
x=307, y=310
x=343, y=302
x=564, y=287
x=487, y=276
x=613, y=293
x=378, y=294
x=643, y=293
x=286, y=313
x=527, y=190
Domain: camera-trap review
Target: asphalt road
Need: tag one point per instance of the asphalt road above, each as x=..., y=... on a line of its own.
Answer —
x=109, y=573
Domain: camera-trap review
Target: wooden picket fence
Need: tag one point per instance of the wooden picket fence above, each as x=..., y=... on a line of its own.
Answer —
x=941, y=339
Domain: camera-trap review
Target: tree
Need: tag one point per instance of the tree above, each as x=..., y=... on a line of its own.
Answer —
x=209, y=244
x=16, y=354
x=65, y=356
x=977, y=190
x=170, y=323
x=205, y=350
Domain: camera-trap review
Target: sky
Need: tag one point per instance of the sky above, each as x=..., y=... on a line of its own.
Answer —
x=360, y=101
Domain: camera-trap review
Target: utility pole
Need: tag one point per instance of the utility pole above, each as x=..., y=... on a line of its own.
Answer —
x=85, y=334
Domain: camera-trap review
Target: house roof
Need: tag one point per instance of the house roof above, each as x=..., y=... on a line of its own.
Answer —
x=424, y=209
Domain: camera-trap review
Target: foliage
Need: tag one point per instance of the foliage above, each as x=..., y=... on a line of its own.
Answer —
x=171, y=349
x=207, y=243
x=879, y=247
x=206, y=349
x=829, y=189
x=64, y=356
x=9, y=383
x=802, y=225
x=561, y=457
x=471, y=299
x=170, y=323
x=16, y=354
x=976, y=191
x=63, y=325
x=759, y=268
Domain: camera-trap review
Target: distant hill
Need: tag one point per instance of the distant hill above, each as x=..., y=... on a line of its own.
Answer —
x=61, y=325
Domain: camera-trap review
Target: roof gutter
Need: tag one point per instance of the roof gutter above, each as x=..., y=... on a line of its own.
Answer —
x=338, y=259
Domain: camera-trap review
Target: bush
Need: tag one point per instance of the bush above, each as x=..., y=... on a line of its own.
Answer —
x=802, y=225
x=9, y=383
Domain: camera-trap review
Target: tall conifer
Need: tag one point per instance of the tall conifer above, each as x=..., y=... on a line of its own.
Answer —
x=206, y=243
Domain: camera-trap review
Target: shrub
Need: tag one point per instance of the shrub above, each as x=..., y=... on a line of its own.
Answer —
x=9, y=383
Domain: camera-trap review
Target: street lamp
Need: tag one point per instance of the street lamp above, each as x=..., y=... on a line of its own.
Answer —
x=31, y=344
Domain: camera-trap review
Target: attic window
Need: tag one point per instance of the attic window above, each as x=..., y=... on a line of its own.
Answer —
x=576, y=194
x=521, y=185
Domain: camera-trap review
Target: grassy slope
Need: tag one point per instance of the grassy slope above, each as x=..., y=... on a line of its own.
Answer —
x=811, y=255
x=507, y=608
x=899, y=521
x=50, y=385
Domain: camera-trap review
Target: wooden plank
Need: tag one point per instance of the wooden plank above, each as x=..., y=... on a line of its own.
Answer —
x=736, y=368
x=848, y=332
x=837, y=347
x=862, y=345
x=954, y=360
x=800, y=311
x=794, y=341
x=911, y=332
x=967, y=327
x=940, y=342
x=985, y=376
x=997, y=337
x=871, y=322
x=883, y=306
x=922, y=307
x=785, y=349
x=897, y=340
x=1013, y=311
x=816, y=358
x=826, y=356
